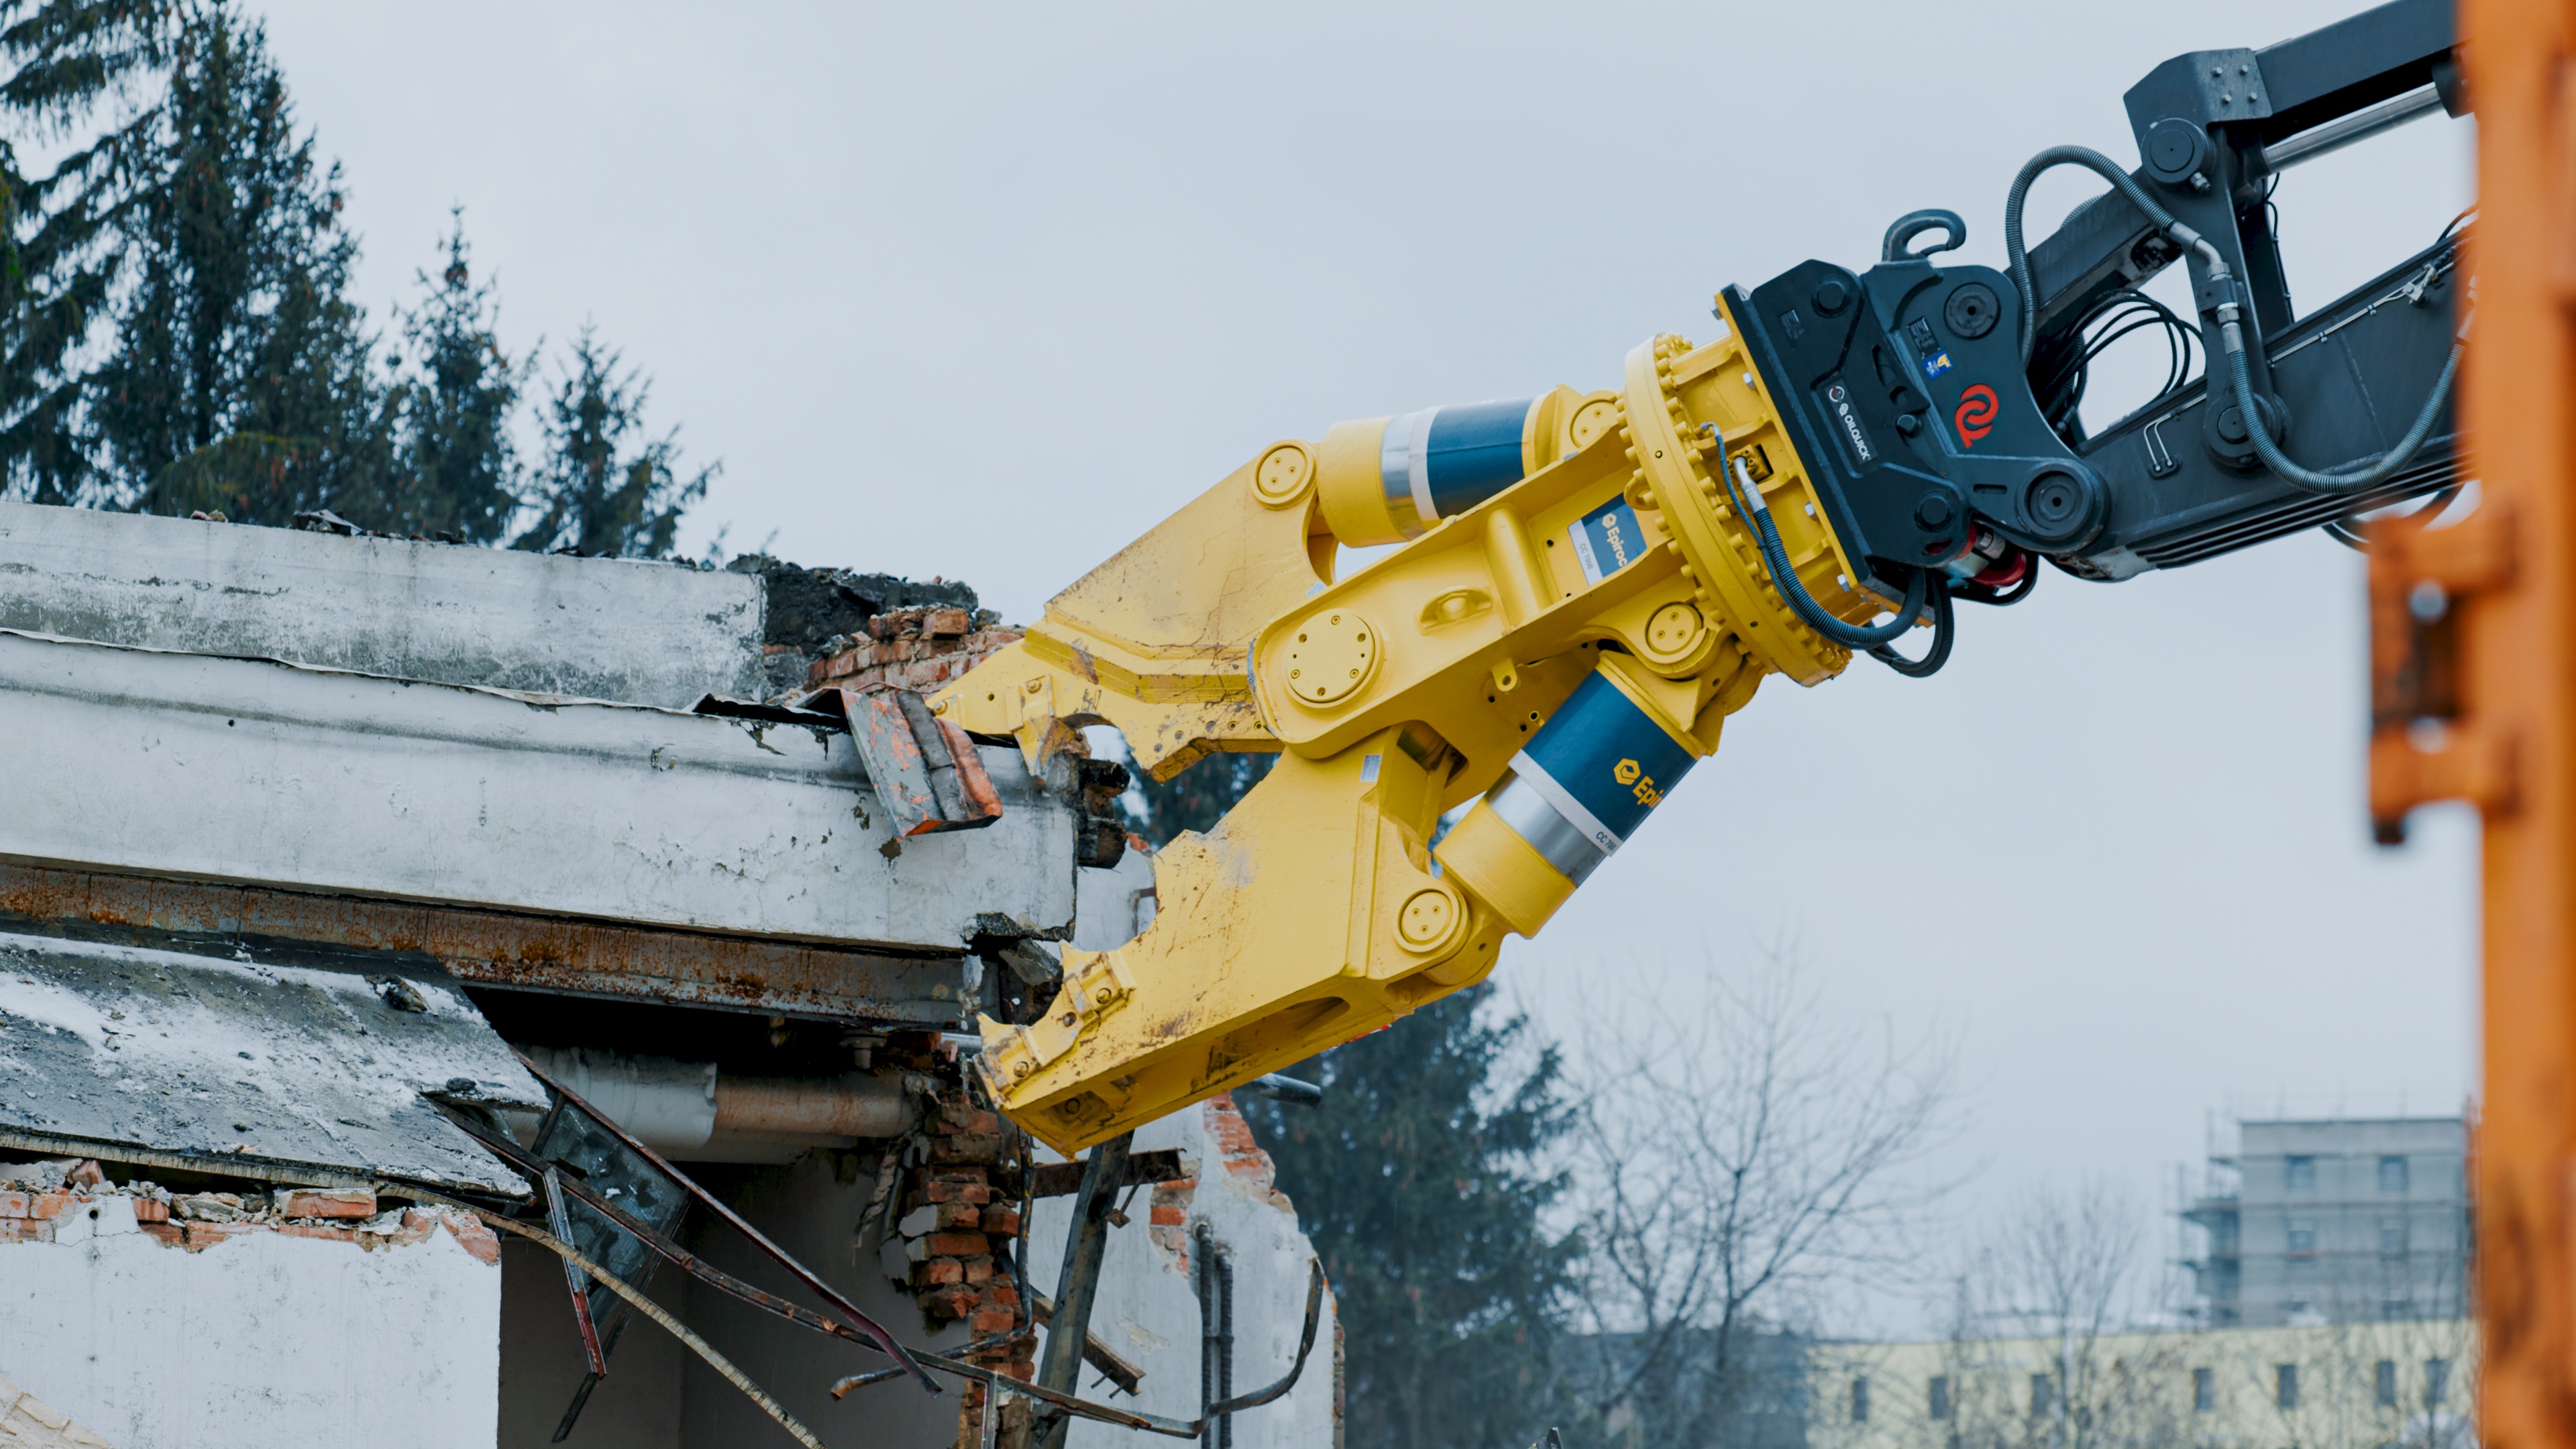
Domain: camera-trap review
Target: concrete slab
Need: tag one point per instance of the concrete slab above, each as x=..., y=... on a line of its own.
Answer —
x=623, y=629
x=266, y=1070
x=183, y=766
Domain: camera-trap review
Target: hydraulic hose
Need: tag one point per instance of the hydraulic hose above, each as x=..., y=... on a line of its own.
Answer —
x=1850, y=636
x=2231, y=329
x=2308, y=480
x=2122, y=182
x=1944, y=629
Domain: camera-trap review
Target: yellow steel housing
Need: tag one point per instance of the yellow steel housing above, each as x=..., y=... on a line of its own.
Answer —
x=1314, y=912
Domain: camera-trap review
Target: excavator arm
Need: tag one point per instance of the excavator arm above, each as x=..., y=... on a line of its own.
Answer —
x=1589, y=583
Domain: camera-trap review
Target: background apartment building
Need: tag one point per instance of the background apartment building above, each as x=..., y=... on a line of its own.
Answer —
x=2339, y=1220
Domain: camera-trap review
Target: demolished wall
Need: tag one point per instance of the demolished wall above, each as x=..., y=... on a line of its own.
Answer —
x=151, y=1328
x=754, y=974
x=1149, y=1308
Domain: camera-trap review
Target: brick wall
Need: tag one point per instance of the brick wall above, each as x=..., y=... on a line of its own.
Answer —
x=919, y=649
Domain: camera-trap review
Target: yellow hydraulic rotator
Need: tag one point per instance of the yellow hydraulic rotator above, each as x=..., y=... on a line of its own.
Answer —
x=1575, y=611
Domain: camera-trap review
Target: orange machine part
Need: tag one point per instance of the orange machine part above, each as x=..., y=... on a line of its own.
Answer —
x=2490, y=685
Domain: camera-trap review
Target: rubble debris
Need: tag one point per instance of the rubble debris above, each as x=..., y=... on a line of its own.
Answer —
x=1059, y=1179
x=920, y=649
x=324, y=1202
x=816, y=612
x=925, y=772
x=200, y=1220
x=323, y=520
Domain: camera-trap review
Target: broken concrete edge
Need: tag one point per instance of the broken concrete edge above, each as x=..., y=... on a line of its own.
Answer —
x=630, y=629
x=534, y=699
x=47, y=1147
x=501, y=950
x=196, y=1221
x=500, y=801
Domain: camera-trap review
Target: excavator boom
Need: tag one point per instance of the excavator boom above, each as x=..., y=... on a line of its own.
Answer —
x=1589, y=583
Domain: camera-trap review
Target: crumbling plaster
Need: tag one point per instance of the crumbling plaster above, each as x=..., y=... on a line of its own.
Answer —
x=266, y=1336
x=1148, y=1310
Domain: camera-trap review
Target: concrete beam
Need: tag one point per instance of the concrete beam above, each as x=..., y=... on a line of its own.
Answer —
x=187, y=767
x=599, y=628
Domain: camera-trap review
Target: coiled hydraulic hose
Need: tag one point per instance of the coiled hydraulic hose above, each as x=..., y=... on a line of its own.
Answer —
x=2308, y=480
x=2231, y=328
x=2122, y=182
x=1749, y=503
x=1944, y=629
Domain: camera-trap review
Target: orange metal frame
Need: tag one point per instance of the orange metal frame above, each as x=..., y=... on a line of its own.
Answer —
x=2474, y=674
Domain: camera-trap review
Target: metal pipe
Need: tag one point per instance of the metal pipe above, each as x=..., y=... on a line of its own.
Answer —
x=875, y=1331
x=1224, y=1344
x=2344, y=131
x=1215, y=1282
x=690, y=1110
x=850, y=1106
x=1086, y=1243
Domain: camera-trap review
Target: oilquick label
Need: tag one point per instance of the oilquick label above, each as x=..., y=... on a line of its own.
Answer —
x=1602, y=762
x=1607, y=540
x=1847, y=422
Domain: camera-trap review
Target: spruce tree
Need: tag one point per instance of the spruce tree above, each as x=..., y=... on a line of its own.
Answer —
x=243, y=380
x=1198, y=797
x=1423, y=1181
x=177, y=331
x=457, y=466
x=68, y=60
x=602, y=489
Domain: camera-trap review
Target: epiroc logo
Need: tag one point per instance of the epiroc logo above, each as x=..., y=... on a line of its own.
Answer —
x=1976, y=414
x=1629, y=772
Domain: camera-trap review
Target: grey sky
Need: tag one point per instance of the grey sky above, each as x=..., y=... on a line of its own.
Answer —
x=986, y=291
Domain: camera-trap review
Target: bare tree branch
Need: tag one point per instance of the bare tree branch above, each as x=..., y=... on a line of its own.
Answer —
x=1741, y=1158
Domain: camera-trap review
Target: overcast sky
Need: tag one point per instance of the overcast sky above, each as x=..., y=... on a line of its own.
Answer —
x=985, y=292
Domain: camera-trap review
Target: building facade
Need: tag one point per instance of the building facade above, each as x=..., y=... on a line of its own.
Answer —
x=2340, y=1220
x=2395, y=1384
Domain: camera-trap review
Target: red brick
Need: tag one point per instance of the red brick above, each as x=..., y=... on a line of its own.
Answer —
x=948, y=1302
x=52, y=1205
x=16, y=1205
x=967, y=1147
x=324, y=1202
x=316, y=1230
x=1001, y=1295
x=979, y=1269
x=1170, y=1216
x=167, y=1234
x=954, y=1245
x=993, y=1320
x=1023, y=1369
x=937, y=1272
x=202, y=1236
x=146, y=1210
x=87, y=1174
x=1001, y=1222
x=475, y=1237
x=952, y=1122
x=940, y=1190
x=25, y=1230
x=945, y=623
